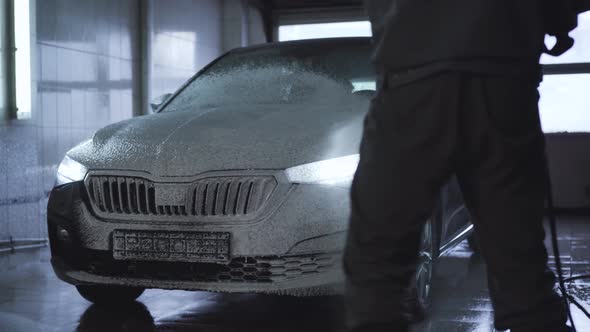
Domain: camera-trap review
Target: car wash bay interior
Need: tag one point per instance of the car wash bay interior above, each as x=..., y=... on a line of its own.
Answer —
x=71, y=67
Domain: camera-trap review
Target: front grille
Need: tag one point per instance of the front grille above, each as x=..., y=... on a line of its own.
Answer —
x=273, y=269
x=267, y=269
x=128, y=197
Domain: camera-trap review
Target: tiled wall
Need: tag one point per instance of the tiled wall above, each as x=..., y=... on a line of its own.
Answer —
x=87, y=73
x=3, y=46
x=84, y=67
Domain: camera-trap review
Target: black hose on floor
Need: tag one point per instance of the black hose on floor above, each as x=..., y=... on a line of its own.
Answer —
x=553, y=227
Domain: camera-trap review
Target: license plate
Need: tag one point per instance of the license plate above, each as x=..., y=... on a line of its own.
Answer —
x=208, y=247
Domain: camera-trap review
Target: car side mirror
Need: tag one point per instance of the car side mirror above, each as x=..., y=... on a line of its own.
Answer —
x=158, y=101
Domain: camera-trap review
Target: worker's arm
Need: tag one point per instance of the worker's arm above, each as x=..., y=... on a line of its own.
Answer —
x=561, y=18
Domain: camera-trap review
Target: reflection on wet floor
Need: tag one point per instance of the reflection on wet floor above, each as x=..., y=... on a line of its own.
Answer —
x=33, y=299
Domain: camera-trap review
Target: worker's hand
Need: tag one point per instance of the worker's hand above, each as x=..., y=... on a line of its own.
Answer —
x=563, y=44
x=561, y=17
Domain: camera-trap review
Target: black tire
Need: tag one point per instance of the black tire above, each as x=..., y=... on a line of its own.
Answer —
x=421, y=299
x=425, y=268
x=111, y=295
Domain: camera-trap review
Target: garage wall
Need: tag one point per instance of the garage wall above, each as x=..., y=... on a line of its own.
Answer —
x=255, y=27
x=242, y=25
x=184, y=37
x=3, y=50
x=88, y=61
x=83, y=75
x=189, y=34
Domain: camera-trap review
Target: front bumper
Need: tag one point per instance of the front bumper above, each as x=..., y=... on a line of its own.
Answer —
x=236, y=277
x=296, y=250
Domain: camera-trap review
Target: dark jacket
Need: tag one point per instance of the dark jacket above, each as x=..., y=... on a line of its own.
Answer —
x=412, y=33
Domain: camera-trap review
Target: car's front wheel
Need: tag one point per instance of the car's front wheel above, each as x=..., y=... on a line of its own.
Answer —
x=109, y=294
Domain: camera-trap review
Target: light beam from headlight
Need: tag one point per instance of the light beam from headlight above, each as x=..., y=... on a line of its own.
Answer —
x=331, y=171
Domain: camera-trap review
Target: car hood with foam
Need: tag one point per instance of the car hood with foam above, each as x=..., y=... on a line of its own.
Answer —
x=187, y=143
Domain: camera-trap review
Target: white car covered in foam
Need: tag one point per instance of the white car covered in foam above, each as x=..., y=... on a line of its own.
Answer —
x=238, y=183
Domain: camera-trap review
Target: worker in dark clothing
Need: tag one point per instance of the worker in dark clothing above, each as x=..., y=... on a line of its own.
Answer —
x=457, y=94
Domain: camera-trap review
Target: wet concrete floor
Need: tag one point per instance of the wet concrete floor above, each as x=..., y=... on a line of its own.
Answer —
x=33, y=299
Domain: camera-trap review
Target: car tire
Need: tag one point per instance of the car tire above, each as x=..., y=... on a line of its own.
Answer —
x=112, y=295
x=425, y=269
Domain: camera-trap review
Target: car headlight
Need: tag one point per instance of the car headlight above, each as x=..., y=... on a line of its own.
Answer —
x=70, y=171
x=331, y=171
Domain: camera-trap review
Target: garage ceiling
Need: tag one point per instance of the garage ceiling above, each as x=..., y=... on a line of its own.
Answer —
x=312, y=4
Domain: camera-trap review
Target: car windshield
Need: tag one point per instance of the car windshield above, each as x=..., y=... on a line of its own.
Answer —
x=295, y=74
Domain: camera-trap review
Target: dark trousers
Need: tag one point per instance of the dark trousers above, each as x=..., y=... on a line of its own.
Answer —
x=485, y=129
